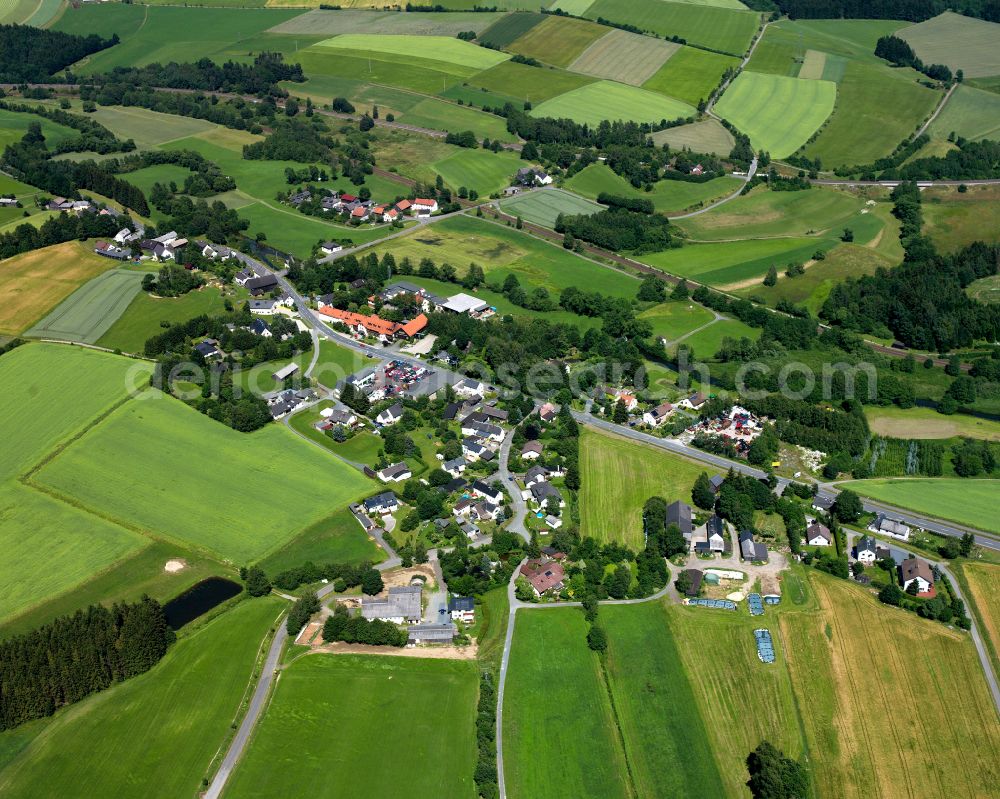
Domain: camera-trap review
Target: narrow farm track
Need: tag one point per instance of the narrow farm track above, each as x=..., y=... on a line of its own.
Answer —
x=937, y=111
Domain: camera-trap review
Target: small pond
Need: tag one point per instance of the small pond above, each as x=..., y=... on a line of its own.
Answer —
x=198, y=600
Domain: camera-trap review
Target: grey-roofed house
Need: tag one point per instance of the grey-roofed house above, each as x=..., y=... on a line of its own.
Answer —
x=432, y=633
x=915, y=570
x=386, y=502
x=258, y=285
x=866, y=550
x=462, y=608
x=400, y=605
x=207, y=349
x=715, y=530
x=696, y=576
x=822, y=504
x=679, y=513
x=481, y=489
x=455, y=467
x=543, y=491
x=536, y=474
x=260, y=328
x=716, y=482
x=531, y=450
x=750, y=549
x=263, y=307
x=395, y=473
x=891, y=527
x=390, y=415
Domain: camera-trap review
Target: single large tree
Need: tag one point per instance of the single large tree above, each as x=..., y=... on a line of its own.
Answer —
x=702, y=494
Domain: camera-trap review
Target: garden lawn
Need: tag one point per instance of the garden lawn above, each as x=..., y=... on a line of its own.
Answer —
x=655, y=704
x=114, y=742
x=144, y=315
x=667, y=195
x=671, y=320
x=707, y=136
x=916, y=422
x=560, y=736
x=962, y=500
x=851, y=721
x=625, y=57
x=876, y=109
x=970, y=113
x=543, y=207
x=690, y=75
x=502, y=251
x=596, y=102
x=485, y=171
x=411, y=722
x=200, y=482
x=723, y=29
x=338, y=539
x=958, y=41
x=92, y=309
x=778, y=113
x=35, y=282
x=557, y=40
x=618, y=476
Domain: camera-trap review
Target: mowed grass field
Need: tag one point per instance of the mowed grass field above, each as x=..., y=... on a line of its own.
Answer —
x=411, y=724
x=618, y=477
x=595, y=102
x=89, y=311
x=461, y=55
x=706, y=343
x=501, y=251
x=520, y=82
x=331, y=540
x=667, y=195
x=707, y=136
x=200, y=482
x=723, y=29
x=778, y=113
x=671, y=320
x=115, y=742
x=557, y=40
x=50, y=393
x=625, y=57
x=690, y=75
x=543, y=207
x=142, y=319
x=14, y=124
x=508, y=28
x=955, y=219
x=482, y=170
x=876, y=109
x=856, y=665
x=928, y=423
x=560, y=736
x=960, y=42
x=971, y=502
x=35, y=282
x=971, y=113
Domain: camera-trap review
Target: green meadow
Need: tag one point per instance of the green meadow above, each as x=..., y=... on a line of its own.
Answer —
x=706, y=136
x=482, y=170
x=668, y=196
x=690, y=74
x=971, y=502
x=446, y=49
x=543, y=207
x=92, y=309
x=671, y=320
x=557, y=40
x=14, y=124
x=520, y=82
x=615, y=101
x=115, y=742
x=971, y=113
x=337, y=539
x=706, y=343
x=199, y=482
x=411, y=724
x=958, y=41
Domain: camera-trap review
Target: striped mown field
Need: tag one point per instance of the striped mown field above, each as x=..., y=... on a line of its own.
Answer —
x=624, y=57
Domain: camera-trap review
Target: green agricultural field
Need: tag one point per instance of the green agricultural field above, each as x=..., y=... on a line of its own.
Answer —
x=668, y=196
x=502, y=251
x=779, y=114
x=971, y=113
x=338, y=539
x=560, y=736
x=148, y=128
x=618, y=477
x=982, y=581
x=558, y=40
x=521, y=82
x=414, y=74
x=89, y=312
x=16, y=11
x=575, y=7
x=772, y=214
x=960, y=42
x=671, y=320
x=928, y=423
x=596, y=102
x=832, y=658
x=114, y=742
x=507, y=29
x=357, y=20
x=543, y=207
x=165, y=34
x=221, y=482
x=706, y=343
x=955, y=219
x=485, y=171
x=812, y=288
x=297, y=233
x=971, y=502
x=690, y=75
x=463, y=56
x=144, y=315
x=706, y=136
x=876, y=109
x=986, y=289
x=655, y=705
x=14, y=124
x=625, y=57
x=723, y=29
x=735, y=263
x=161, y=173
x=417, y=715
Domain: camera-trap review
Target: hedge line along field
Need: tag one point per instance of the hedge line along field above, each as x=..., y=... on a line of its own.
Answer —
x=89, y=311
x=35, y=282
x=504, y=31
x=625, y=57
x=707, y=136
x=971, y=113
x=203, y=483
x=560, y=736
x=690, y=75
x=615, y=101
x=416, y=714
x=723, y=29
x=962, y=500
x=853, y=679
x=557, y=40
x=779, y=114
x=960, y=42
x=876, y=109
x=114, y=742
x=543, y=207
x=618, y=477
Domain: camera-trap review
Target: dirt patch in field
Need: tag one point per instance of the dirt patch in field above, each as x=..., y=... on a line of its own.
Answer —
x=877, y=240
x=469, y=652
x=397, y=577
x=174, y=565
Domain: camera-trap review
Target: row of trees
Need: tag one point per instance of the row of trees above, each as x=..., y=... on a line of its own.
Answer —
x=55, y=230
x=620, y=230
x=75, y=656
